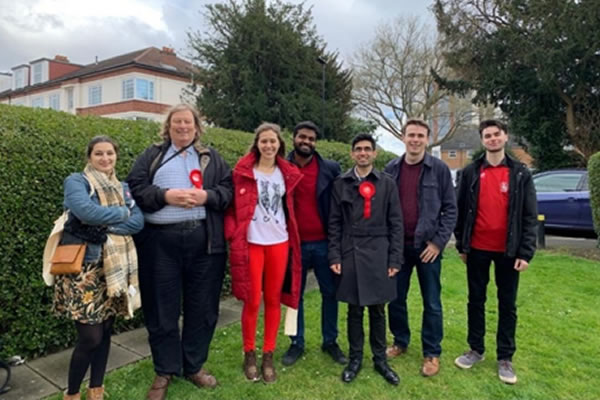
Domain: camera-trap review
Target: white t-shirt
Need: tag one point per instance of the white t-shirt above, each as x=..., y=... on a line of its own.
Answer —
x=268, y=224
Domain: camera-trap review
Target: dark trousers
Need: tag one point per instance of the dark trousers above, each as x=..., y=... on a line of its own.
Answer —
x=174, y=266
x=314, y=254
x=507, y=283
x=432, y=328
x=356, y=334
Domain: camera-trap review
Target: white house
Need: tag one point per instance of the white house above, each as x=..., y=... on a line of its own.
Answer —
x=139, y=85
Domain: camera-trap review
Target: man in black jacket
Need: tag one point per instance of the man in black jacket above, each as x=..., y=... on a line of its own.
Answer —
x=312, y=202
x=497, y=217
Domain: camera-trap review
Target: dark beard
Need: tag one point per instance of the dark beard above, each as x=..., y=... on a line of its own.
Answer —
x=303, y=153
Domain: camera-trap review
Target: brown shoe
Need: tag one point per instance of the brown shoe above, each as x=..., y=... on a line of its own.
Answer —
x=158, y=390
x=394, y=351
x=75, y=396
x=203, y=379
x=431, y=366
x=96, y=393
x=268, y=370
x=250, y=368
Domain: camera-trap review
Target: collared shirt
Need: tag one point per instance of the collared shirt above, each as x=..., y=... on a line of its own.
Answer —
x=175, y=174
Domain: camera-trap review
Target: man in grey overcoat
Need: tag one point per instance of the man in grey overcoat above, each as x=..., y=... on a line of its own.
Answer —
x=366, y=241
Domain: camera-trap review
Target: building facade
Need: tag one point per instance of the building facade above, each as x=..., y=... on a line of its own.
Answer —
x=139, y=85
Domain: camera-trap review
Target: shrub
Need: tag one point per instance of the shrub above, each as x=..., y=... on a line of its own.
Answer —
x=38, y=149
x=594, y=183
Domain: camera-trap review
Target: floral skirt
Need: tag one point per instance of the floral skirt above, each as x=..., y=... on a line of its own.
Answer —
x=83, y=298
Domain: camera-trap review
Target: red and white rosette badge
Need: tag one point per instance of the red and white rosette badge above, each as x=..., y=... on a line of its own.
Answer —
x=196, y=178
x=367, y=191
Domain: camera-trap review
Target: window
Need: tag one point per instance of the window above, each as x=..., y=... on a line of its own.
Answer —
x=19, y=78
x=37, y=73
x=557, y=182
x=128, y=89
x=451, y=153
x=37, y=102
x=138, y=88
x=144, y=89
x=95, y=95
x=54, y=101
x=469, y=154
x=70, y=101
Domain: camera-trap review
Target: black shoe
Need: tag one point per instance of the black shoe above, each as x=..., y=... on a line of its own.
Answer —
x=292, y=355
x=335, y=352
x=351, y=371
x=388, y=374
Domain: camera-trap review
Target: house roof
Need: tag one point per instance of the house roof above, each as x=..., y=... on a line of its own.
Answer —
x=150, y=58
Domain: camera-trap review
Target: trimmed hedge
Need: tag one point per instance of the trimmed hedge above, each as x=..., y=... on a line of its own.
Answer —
x=38, y=149
x=594, y=183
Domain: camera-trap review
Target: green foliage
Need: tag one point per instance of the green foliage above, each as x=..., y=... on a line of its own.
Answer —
x=38, y=149
x=594, y=184
x=537, y=60
x=259, y=63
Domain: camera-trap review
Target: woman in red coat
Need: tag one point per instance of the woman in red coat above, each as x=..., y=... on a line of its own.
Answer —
x=264, y=242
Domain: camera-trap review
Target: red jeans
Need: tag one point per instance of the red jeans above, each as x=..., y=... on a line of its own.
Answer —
x=267, y=266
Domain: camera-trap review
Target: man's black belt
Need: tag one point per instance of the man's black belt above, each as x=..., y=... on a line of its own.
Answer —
x=178, y=226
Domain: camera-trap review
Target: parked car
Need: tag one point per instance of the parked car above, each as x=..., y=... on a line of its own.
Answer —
x=563, y=197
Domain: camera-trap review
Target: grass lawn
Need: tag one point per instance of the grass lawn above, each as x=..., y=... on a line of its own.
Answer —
x=558, y=338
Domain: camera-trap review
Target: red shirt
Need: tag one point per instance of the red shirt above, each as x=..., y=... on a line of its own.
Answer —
x=491, y=223
x=408, y=186
x=310, y=225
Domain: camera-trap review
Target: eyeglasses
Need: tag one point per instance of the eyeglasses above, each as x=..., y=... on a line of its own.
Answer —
x=361, y=149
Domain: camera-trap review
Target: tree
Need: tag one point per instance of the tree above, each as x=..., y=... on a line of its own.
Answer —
x=259, y=63
x=393, y=82
x=538, y=60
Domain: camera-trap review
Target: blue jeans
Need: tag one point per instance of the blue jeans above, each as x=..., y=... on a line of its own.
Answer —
x=432, y=329
x=314, y=254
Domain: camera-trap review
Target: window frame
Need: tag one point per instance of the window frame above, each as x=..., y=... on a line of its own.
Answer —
x=92, y=90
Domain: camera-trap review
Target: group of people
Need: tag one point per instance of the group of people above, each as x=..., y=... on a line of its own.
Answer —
x=275, y=216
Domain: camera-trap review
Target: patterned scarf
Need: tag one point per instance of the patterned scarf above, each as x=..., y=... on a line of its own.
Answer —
x=119, y=254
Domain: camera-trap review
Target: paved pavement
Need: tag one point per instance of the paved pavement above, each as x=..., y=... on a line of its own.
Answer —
x=557, y=242
x=46, y=376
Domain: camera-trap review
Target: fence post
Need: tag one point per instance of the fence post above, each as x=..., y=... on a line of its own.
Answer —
x=541, y=231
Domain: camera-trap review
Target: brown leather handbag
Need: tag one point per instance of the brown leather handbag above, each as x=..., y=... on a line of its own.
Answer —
x=68, y=259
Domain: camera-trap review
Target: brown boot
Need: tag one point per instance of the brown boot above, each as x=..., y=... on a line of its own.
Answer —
x=202, y=379
x=158, y=390
x=250, y=368
x=96, y=393
x=431, y=366
x=75, y=396
x=268, y=370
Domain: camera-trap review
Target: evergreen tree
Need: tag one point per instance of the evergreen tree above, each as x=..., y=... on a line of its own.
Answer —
x=259, y=62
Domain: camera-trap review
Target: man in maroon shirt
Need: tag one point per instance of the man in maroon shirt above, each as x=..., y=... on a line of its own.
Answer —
x=497, y=217
x=312, y=203
x=429, y=210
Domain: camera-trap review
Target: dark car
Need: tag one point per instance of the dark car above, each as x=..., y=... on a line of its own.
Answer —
x=563, y=197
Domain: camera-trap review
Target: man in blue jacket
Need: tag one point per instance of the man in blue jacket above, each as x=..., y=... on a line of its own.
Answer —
x=312, y=202
x=429, y=210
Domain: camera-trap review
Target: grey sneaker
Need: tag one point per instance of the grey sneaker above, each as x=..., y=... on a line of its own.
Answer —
x=468, y=359
x=506, y=372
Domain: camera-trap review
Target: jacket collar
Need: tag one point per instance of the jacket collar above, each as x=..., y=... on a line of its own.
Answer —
x=349, y=175
x=427, y=160
x=246, y=164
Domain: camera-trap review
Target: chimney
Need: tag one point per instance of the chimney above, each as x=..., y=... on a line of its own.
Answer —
x=168, y=50
x=61, y=58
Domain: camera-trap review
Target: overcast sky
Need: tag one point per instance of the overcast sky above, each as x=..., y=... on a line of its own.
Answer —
x=84, y=29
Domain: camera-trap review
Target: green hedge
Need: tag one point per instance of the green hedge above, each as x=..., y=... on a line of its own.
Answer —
x=38, y=149
x=594, y=183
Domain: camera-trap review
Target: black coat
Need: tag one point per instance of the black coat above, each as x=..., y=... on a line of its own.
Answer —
x=522, y=209
x=217, y=182
x=365, y=248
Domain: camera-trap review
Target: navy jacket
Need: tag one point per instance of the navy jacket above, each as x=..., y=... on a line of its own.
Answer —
x=437, y=201
x=328, y=171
